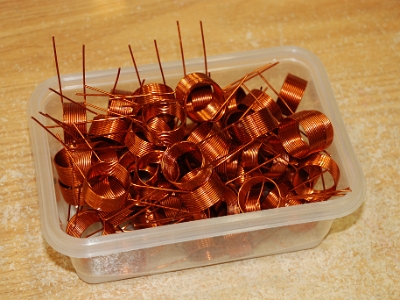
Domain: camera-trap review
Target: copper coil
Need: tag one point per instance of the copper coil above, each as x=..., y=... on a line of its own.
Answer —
x=231, y=200
x=258, y=99
x=73, y=113
x=106, y=186
x=118, y=107
x=177, y=172
x=111, y=128
x=137, y=142
x=115, y=218
x=228, y=169
x=80, y=223
x=154, y=92
x=291, y=93
x=106, y=152
x=128, y=161
x=70, y=163
x=148, y=168
x=309, y=180
x=71, y=195
x=174, y=207
x=318, y=131
x=271, y=148
x=150, y=218
x=187, y=85
x=277, y=197
x=157, y=128
x=253, y=192
x=201, y=97
x=254, y=125
x=205, y=195
x=212, y=141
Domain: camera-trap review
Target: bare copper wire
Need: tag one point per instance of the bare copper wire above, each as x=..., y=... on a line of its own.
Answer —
x=106, y=187
x=111, y=128
x=291, y=93
x=318, y=133
x=184, y=92
x=83, y=220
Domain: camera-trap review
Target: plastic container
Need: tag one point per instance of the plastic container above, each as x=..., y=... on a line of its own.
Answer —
x=205, y=242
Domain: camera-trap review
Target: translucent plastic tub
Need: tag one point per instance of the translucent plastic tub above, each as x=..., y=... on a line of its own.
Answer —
x=204, y=242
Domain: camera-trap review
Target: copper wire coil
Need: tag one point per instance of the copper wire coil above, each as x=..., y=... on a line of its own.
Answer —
x=176, y=207
x=181, y=176
x=201, y=97
x=228, y=169
x=80, y=222
x=106, y=152
x=157, y=130
x=291, y=93
x=212, y=141
x=271, y=148
x=72, y=195
x=253, y=125
x=205, y=195
x=70, y=163
x=310, y=172
x=183, y=91
x=277, y=197
x=137, y=142
x=154, y=92
x=317, y=128
x=74, y=114
x=231, y=200
x=258, y=99
x=106, y=186
x=111, y=128
x=149, y=218
x=117, y=107
x=253, y=191
x=128, y=160
x=115, y=218
x=148, y=168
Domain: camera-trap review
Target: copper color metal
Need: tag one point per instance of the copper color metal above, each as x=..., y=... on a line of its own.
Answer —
x=111, y=128
x=318, y=133
x=72, y=195
x=291, y=93
x=74, y=114
x=254, y=125
x=106, y=186
x=310, y=180
x=257, y=99
x=164, y=123
x=80, y=223
x=253, y=191
x=154, y=92
x=137, y=142
x=183, y=92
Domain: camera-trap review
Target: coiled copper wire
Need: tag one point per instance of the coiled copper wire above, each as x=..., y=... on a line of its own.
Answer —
x=205, y=195
x=80, y=222
x=106, y=186
x=184, y=92
x=74, y=114
x=211, y=140
x=318, y=133
x=157, y=128
x=154, y=92
x=310, y=171
x=112, y=128
x=291, y=93
x=254, y=125
x=258, y=99
x=137, y=143
x=71, y=164
x=72, y=195
x=253, y=192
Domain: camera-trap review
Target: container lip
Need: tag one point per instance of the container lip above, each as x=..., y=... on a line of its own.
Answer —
x=145, y=238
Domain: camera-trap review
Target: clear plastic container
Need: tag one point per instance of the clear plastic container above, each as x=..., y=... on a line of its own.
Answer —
x=204, y=242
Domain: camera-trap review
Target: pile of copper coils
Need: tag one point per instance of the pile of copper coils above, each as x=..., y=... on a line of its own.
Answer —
x=164, y=155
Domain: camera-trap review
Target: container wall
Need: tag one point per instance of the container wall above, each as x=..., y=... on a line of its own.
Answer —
x=201, y=252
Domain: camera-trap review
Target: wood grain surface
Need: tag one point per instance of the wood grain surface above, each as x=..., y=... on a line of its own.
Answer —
x=359, y=45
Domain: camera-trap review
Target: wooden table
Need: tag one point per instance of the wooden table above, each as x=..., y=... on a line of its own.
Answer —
x=359, y=44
